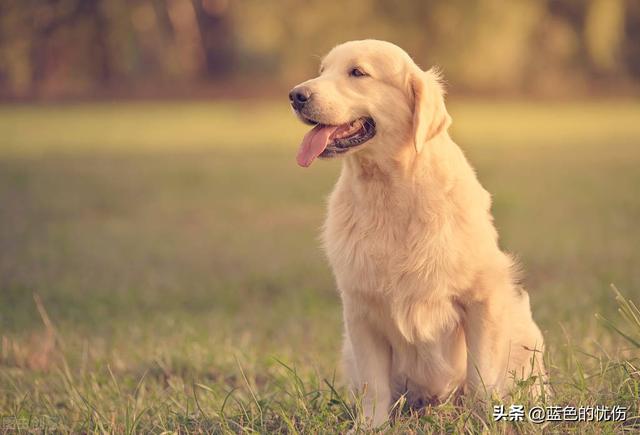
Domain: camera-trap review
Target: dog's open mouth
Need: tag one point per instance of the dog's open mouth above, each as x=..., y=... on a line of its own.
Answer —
x=332, y=140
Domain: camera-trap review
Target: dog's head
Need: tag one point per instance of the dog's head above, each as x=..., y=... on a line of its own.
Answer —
x=369, y=95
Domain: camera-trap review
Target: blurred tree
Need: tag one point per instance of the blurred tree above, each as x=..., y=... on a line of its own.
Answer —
x=631, y=44
x=216, y=31
x=604, y=34
x=83, y=46
x=48, y=17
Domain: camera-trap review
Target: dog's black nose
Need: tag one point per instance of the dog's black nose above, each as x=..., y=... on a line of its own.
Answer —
x=299, y=97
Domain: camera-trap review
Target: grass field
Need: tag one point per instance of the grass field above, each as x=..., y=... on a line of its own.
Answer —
x=160, y=267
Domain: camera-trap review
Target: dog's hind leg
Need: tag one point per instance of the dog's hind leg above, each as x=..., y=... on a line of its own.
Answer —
x=504, y=344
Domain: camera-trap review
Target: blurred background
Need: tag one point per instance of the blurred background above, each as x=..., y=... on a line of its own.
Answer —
x=159, y=253
x=199, y=48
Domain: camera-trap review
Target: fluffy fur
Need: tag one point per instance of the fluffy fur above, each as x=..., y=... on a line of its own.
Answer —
x=430, y=301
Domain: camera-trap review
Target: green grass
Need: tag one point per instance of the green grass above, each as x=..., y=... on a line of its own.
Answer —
x=174, y=249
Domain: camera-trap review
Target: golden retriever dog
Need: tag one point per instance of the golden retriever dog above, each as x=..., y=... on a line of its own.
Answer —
x=430, y=302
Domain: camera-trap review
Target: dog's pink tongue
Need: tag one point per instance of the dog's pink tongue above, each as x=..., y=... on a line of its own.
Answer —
x=314, y=142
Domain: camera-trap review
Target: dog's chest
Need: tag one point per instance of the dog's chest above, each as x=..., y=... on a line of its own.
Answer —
x=376, y=245
x=363, y=244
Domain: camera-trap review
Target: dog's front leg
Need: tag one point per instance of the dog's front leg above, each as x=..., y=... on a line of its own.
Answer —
x=368, y=354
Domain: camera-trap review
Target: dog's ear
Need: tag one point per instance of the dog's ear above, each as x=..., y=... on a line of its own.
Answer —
x=430, y=117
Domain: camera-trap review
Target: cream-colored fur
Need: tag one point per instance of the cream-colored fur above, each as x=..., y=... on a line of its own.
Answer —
x=430, y=302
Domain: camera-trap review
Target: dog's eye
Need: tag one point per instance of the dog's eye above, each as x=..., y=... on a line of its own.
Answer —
x=357, y=72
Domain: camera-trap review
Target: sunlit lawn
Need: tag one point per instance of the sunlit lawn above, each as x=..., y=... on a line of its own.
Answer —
x=174, y=248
